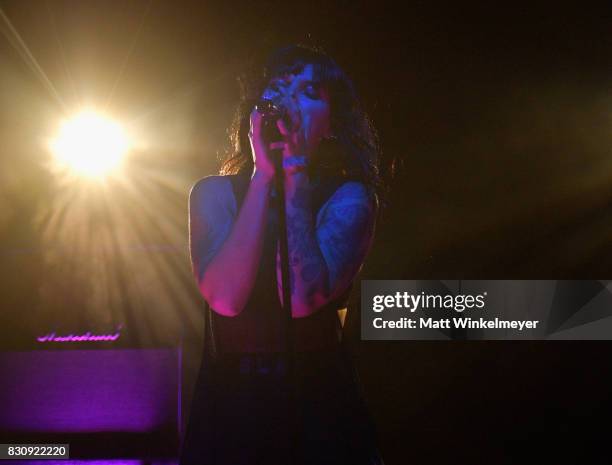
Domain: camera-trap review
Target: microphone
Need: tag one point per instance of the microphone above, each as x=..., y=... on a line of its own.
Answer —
x=268, y=108
x=271, y=113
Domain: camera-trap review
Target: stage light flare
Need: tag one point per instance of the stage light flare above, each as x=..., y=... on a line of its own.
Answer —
x=90, y=145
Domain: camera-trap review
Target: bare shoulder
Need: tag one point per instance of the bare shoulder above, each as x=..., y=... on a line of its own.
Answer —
x=213, y=189
x=352, y=193
x=352, y=190
x=214, y=184
x=351, y=202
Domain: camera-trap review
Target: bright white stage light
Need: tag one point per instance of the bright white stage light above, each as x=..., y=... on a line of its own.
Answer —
x=90, y=145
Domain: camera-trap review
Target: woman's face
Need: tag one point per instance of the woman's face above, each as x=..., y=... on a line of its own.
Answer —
x=306, y=103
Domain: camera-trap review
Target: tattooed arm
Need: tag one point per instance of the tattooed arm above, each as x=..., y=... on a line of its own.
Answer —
x=324, y=258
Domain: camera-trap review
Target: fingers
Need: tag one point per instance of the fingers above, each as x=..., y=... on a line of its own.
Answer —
x=282, y=127
x=278, y=145
x=291, y=121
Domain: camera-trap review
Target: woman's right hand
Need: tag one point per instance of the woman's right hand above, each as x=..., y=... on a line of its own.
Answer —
x=264, y=166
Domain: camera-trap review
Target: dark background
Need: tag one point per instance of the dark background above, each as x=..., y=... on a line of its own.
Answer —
x=498, y=117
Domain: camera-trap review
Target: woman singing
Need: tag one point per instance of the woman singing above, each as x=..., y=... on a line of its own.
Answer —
x=259, y=400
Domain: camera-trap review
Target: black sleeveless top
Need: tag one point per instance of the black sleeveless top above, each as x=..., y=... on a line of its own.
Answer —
x=262, y=325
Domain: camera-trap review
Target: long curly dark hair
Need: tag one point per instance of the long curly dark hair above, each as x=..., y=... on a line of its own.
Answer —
x=353, y=151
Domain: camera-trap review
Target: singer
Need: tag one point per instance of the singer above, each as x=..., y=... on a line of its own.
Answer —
x=277, y=388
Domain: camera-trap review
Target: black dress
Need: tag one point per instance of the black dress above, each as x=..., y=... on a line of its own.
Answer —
x=253, y=404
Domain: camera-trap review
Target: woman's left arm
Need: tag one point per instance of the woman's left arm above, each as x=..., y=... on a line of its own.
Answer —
x=325, y=258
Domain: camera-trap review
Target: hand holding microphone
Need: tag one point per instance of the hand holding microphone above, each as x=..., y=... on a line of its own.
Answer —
x=275, y=126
